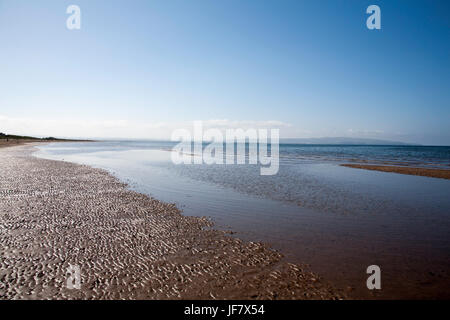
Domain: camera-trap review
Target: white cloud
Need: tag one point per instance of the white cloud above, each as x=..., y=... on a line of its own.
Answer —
x=364, y=133
x=117, y=128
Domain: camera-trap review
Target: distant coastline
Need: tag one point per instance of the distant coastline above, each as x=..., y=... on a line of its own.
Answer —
x=10, y=140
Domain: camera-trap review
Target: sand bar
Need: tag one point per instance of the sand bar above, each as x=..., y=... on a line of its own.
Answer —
x=426, y=172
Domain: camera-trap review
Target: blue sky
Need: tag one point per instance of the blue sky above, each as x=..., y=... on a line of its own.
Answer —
x=142, y=68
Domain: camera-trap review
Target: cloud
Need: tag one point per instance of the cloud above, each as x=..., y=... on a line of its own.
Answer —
x=76, y=128
x=244, y=124
x=364, y=133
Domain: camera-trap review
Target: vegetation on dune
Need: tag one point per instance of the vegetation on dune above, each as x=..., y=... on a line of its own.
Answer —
x=16, y=137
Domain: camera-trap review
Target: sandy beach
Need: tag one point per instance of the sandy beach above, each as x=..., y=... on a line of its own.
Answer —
x=14, y=142
x=128, y=246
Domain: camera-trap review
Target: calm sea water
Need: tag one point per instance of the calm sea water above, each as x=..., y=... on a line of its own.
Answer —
x=338, y=220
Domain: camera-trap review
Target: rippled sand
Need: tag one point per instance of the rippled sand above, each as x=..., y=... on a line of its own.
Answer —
x=128, y=246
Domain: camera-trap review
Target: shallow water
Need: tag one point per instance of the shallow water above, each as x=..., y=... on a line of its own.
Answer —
x=338, y=220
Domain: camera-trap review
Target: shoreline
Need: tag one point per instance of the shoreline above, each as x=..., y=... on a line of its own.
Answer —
x=128, y=245
x=424, y=172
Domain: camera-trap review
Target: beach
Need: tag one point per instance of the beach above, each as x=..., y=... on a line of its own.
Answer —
x=56, y=214
x=9, y=142
x=13, y=142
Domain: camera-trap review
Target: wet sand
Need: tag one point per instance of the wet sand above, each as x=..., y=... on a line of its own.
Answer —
x=128, y=246
x=426, y=172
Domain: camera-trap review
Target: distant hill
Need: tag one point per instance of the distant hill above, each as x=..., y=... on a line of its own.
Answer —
x=344, y=140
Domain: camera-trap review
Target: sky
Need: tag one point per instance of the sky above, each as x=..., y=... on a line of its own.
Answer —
x=141, y=69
